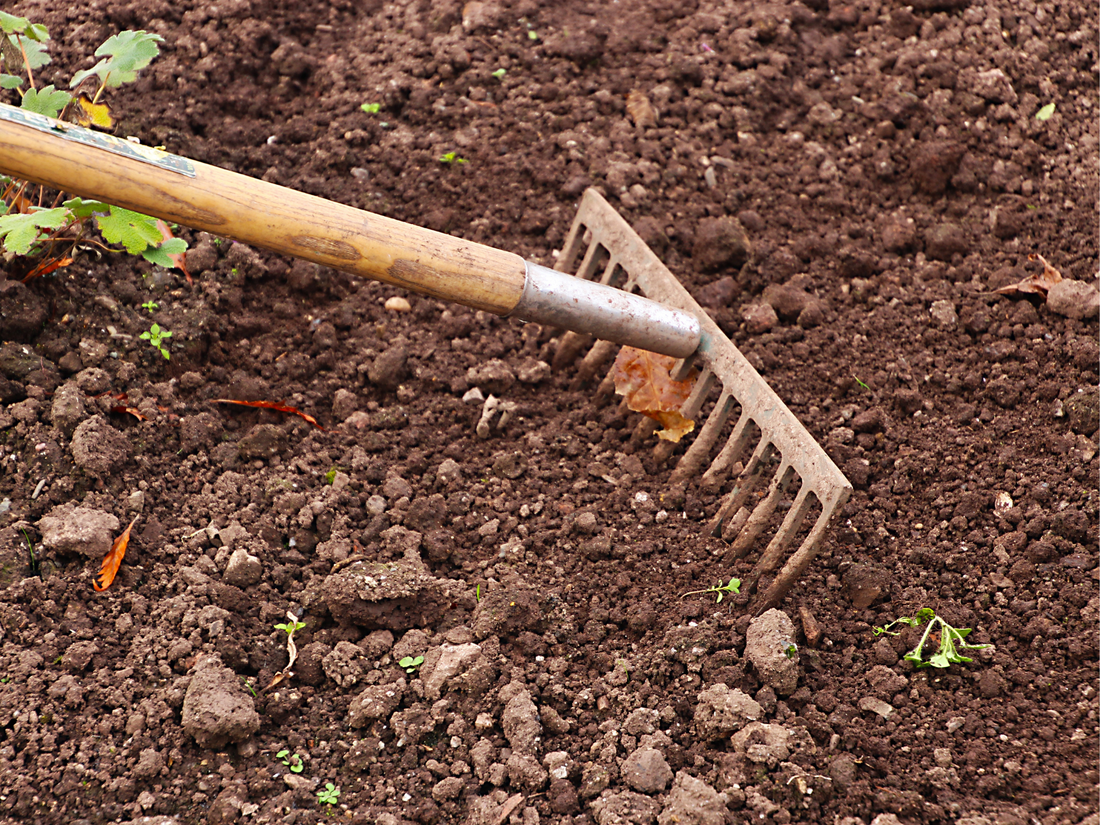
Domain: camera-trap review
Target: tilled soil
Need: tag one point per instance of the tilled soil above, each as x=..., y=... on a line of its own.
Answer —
x=842, y=186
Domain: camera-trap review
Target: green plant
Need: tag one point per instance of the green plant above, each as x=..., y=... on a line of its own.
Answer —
x=477, y=594
x=30, y=229
x=499, y=74
x=248, y=686
x=410, y=664
x=157, y=338
x=290, y=628
x=951, y=639
x=330, y=476
x=452, y=158
x=371, y=108
x=291, y=760
x=862, y=384
x=1046, y=113
x=151, y=305
x=328, y=795
x=790, y=650
x=35, y=570
x=734, y=586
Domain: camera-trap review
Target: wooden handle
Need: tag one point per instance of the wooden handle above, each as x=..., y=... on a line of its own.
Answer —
x=94, y=165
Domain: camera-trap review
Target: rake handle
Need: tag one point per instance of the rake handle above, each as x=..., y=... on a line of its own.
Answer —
x=259, y=213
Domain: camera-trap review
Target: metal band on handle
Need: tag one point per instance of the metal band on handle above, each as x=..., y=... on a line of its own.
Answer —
x=557, y=299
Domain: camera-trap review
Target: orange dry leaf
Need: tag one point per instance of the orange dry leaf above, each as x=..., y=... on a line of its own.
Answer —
x=271, y=405
x=131, y=410
x=1039, y=284
x=46, y=267
x=644, y=379
x=113, y=559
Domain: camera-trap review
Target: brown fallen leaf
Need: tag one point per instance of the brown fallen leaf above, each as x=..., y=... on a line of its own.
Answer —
x=1035, y=284
x=131, y=410
x=179, y=259
x=113, y=559
x=639, y=108
x=272, y=405
x=644, y=379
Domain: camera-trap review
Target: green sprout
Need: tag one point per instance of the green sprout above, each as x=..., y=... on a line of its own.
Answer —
x=330, y=476
x=452, y=158
x=499, y=74
x=151, y=305
x=157, y=338
x=291, y=760
x=1046, y=113
x=410, y=664
x=951, y=640
x=371, y=108
x=477, y=594
x=290, y=628
x=862, y=384
x=248, y=686
x=30, y=552
x=734, y=586
x=790, y=649
x=328, y=795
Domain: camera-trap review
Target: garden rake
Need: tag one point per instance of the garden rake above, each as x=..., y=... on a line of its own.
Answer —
x=635, y=301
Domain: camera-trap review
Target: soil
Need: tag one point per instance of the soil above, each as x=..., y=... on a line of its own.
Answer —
x=883, y=171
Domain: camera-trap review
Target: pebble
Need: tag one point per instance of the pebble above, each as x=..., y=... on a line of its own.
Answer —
x=1074, y=299
x=721, y=711
x=870, y=703
x=69, y=528
x=721, y=243
x=647, y=771
x=243, y=570
x=398, y=304
x=945, y=240
x=216, y=708
x=769, y=645
x=943, y=313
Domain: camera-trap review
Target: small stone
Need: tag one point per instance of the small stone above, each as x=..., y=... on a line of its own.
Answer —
x=721, y=711
x=1074, y=299
x=216, y=708
x=873, y=705
x=243, y=570
x=98, y=447
x=943, y=313
x=943, y=241
x=647, y=771
x=758, y=318
x=390, y=368
x=769, y=645
x=720, y=243
x=69, y=528
x=344, y=403
x=397, y=304
x=693, y=802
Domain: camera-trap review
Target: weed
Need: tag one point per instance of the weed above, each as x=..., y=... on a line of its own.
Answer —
x=290, y=628
x=248, y=685
x=499, y=74
x=151, y=305
x=1046, y=113
x=862, y=384
x=330, y=476
x=328, y=795
x=371, y=108
x=35, y=571
x=734, y=586
x=452, y=158
x=477, y=594
x=790, y=649
x=951, y=640
x=157, y=338
x=411, y=664
x=291, y=760
x=32, y=230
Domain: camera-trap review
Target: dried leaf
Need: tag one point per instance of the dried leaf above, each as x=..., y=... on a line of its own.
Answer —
x=113, y=559
x=641, y=111
x=46, y=267
x=1037, y=284
x=131, y=410
x=644, y=379
x=272, y=405
x=91, y=114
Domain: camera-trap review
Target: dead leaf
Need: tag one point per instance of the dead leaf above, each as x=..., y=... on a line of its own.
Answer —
x=641, y=111
x=46, y=267
x=1036, y=284
x=644, y=379
x=509, y=806
x=179, y=259
x=89, y=113
x=131, y=410
x=271, y=405
x=113, y=559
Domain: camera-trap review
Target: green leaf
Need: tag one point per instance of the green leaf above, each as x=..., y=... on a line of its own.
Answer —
x=46, y=101
x=36, y=31
x=21, y=230
x=37, y=57
x=133, y=230
x=129, y=52
x=1046, y=113
x=160, y=255
x=10, y=81
x=10, y=24
x=85, y=209
x=371, y=108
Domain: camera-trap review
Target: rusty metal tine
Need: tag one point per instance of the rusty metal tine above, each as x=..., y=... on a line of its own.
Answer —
x=692, y=460
x=762, y=512
x=745, y=485
x=690, y=409
x=734, y=446
x=770, y=558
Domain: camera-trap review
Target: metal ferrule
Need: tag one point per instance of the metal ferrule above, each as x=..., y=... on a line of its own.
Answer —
x=556, y=299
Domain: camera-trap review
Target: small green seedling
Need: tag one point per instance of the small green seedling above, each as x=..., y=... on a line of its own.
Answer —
x=862, y=384
x=790, y=649
x=499, y=74
x=290, y=628
x=151, y=305
x=477, y=594
x=1046, y=113
x=452, y=158
x=328, y=795
x=410, y=664
x=157, y=338
x=951, y=640
x=291, y=760
x=371, y=108
x=734, y=586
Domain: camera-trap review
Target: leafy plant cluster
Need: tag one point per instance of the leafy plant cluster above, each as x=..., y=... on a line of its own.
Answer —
x=952, y=640
x=28, y=226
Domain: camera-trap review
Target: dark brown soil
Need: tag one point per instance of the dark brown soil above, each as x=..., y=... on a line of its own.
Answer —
x=889, y=171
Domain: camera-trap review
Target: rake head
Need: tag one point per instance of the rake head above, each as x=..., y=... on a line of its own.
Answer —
x=780, y=486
